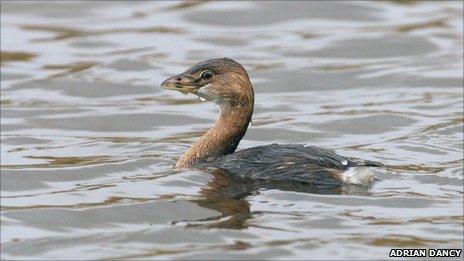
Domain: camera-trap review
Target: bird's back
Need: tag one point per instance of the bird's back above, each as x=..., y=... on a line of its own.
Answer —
x=294, y=162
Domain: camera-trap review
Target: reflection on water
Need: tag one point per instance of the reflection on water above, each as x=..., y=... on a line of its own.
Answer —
x=16, y=56
x=89, y=139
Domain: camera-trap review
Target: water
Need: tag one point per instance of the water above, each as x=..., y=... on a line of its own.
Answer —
x=89, y=138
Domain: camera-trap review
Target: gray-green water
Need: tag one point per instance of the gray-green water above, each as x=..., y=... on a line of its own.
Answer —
x=88, y=139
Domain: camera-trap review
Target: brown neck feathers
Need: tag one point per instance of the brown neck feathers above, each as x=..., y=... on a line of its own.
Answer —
x=222, y=138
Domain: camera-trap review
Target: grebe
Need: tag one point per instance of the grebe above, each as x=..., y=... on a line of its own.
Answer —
x=226, y=83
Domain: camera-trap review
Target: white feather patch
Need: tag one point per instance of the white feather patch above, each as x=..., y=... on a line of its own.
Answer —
x=358, y=175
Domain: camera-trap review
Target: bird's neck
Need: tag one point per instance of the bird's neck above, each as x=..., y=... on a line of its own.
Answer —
x=222, y=138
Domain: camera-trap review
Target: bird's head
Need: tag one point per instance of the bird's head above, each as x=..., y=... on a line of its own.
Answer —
x=222, y=81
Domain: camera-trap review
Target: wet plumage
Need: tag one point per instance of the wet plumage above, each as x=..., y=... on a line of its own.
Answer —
x=295, y=162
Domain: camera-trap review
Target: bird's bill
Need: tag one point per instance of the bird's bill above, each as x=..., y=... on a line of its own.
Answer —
x=181, y=84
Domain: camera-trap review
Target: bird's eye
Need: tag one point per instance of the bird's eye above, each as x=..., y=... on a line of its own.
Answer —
x=206, y=75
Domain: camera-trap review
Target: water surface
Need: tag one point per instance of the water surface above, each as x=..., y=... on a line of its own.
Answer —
x=89, y=139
